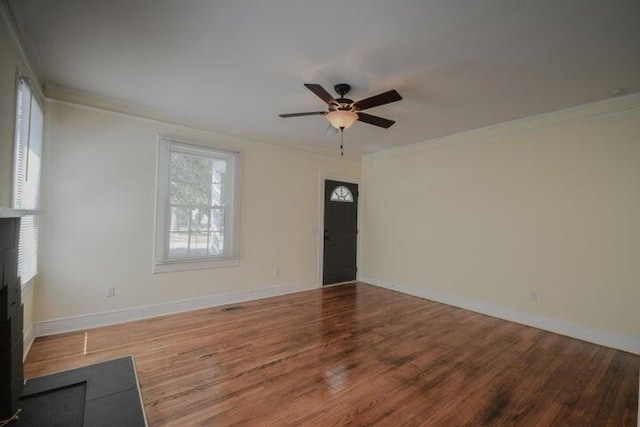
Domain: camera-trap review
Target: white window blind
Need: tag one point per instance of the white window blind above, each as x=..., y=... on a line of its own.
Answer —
x=196, y=218
x=27, y=167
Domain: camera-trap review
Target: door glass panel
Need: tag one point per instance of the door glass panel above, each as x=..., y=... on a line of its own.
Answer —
x=341, y=194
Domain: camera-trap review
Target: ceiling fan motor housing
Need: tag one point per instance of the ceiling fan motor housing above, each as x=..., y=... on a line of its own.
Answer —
x=343, y=103
x=342, y=89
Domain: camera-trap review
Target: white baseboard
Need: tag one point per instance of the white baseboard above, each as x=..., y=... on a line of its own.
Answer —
x=627, y=343
x=95, y=320
x=27, y=339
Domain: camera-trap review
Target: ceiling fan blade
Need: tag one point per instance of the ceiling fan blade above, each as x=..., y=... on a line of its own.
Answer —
x=381, y=99
x=375, y=120
x=310, y=113
x=321, y=93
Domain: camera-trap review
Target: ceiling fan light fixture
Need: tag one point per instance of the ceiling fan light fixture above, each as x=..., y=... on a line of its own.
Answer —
x=342, y=119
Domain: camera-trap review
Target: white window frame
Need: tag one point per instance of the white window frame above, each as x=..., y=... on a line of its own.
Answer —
x=231, y=257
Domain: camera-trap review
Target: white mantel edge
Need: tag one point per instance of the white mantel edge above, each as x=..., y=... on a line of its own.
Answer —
x=16, y=213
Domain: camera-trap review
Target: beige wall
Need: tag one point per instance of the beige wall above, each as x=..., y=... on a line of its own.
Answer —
x=99, y=177
x=10, y=63
x=550, y=204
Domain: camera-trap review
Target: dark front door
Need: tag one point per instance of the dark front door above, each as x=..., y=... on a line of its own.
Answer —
x=340, y=231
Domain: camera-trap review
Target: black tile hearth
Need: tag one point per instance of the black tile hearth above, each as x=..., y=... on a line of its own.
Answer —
x=54, y=381
x=114, y=410
x=60, y=407
x=111, y=377
x=104, y=394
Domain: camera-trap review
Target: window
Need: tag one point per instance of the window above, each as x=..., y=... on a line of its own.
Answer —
x=26, y=176
x=341, y=194
x=196, y=212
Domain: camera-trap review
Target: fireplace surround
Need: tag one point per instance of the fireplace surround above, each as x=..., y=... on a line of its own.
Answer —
x=11, y=319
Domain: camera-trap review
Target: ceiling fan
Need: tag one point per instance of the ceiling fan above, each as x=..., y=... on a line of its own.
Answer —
x=343, y=112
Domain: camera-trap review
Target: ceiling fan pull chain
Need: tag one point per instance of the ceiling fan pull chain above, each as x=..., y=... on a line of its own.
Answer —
x=341, y=141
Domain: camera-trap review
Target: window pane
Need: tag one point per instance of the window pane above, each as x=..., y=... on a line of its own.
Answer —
x=217, y=219
x=341, y=194
x=31, y=196
x=28, y=247
x=191, y=179
x=23, y=113
x=198, y=244
x=178, y=244
x=196, y=213
x=180, y=218
x=216, y=244
x=196, y=180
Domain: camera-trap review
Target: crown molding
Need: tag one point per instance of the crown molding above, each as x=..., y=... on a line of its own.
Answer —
x=70, y=95
x=86, y=100
x=613, y=106
x=33, y=69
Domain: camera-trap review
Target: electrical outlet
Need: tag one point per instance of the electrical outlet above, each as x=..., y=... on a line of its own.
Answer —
x=110, y=291
x=534, y=296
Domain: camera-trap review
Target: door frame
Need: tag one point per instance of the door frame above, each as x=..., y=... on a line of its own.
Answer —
x=320, y=234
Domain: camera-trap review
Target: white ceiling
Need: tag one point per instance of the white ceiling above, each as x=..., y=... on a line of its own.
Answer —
x=235, y=65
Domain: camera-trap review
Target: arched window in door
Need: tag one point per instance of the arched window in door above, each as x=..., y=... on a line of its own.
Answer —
x=341, y=194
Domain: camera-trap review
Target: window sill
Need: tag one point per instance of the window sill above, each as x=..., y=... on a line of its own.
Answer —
x=28, y=285
x=186, y=265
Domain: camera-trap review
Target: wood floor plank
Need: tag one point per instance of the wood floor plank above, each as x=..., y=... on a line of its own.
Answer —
x=355, y=355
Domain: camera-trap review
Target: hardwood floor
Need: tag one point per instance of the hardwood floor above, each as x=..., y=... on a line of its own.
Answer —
x=360, y=355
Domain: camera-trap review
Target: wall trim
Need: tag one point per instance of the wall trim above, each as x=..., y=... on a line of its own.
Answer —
x=626, y=343
x=27, y=338
x=105, y=318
